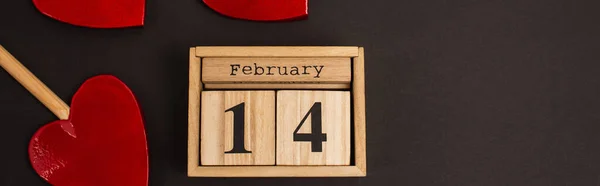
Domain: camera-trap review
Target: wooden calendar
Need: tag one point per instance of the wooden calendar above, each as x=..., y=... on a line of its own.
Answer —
x=276, y=112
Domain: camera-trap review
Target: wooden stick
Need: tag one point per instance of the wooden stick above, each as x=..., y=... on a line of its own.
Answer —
x=33, y=84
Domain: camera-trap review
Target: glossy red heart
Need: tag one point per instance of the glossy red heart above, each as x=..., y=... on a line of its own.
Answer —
x=261, y=10
x=95, y=13
x=103, y=143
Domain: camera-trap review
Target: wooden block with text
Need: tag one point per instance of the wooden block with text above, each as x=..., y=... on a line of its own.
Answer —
x=248, y=73
x=313, y=128
x=238, y=128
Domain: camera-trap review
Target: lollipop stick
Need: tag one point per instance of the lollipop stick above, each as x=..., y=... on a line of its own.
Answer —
x=33, y=84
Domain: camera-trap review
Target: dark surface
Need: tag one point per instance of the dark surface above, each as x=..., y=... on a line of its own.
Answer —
x=458, y=92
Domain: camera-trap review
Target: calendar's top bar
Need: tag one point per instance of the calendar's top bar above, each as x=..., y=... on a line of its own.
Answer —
x=277, y=51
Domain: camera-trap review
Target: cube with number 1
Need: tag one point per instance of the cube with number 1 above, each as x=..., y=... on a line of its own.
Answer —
x=237, y=128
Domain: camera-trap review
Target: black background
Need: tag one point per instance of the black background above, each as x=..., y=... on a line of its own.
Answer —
x=463, y=92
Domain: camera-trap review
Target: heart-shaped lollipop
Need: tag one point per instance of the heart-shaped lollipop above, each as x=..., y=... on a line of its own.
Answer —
x=261, y=10
x=100, y=140
x=102, y=143
x=95, y=13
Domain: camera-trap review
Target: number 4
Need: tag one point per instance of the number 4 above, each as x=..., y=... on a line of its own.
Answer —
x=316, y=137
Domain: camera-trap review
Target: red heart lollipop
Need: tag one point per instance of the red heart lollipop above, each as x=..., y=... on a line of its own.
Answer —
x=101, y=142
x=261, y=10
x=95, y=13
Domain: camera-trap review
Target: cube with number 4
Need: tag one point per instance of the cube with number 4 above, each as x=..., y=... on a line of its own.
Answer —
x=313, y=128
x=237, y=128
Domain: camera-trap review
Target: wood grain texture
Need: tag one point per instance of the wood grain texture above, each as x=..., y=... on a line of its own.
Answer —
x=277, y=51
x=195, y=88
x=293, y=106
x=276, y=86
x=359, y=106
x=277, y=70
x=277, y=171
x=217, y=127
x=33, y=85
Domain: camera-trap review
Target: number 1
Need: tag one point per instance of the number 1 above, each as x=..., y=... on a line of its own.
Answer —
x=238, y=129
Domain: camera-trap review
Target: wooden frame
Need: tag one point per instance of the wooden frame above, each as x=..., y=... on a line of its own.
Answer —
x=359, y=166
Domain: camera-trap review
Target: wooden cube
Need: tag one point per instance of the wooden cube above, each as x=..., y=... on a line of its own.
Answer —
x=313, y=128
x=238, y=128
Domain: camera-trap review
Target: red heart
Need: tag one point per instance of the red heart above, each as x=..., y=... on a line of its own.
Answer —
x=102, y=143
x=95, y=13
x=261, y=10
